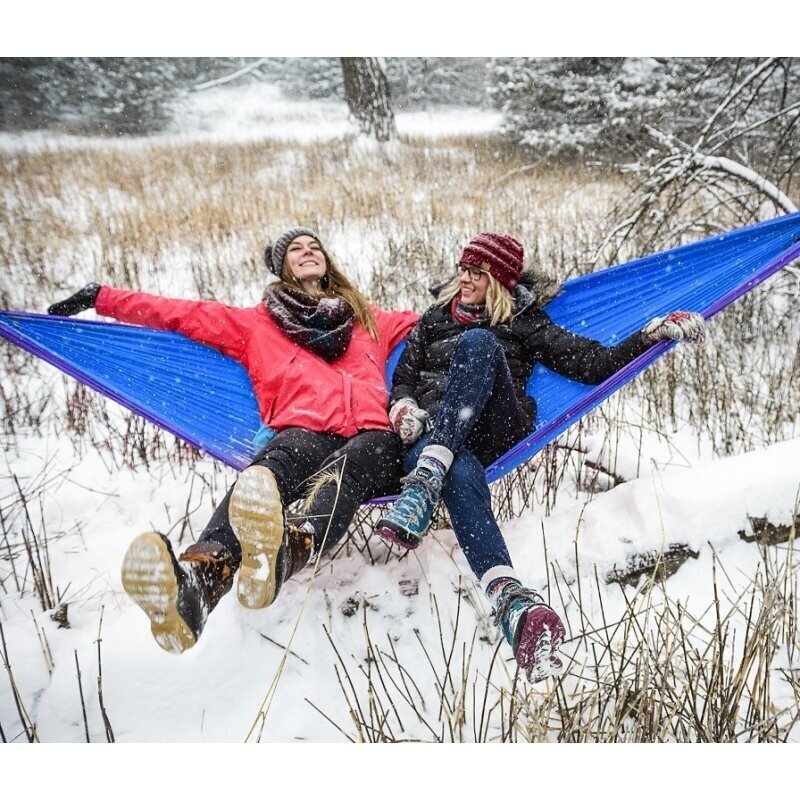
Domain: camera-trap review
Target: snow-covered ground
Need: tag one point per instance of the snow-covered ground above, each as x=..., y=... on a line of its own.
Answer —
x=284, y=660
x=214, y=692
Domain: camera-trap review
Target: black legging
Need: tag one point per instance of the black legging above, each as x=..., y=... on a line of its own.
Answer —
x=368, y=463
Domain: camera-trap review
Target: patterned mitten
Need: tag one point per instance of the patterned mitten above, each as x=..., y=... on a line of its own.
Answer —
x=408, y=420
x=679, y=325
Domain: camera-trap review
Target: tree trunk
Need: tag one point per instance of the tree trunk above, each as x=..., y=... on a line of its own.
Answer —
x=367, y=92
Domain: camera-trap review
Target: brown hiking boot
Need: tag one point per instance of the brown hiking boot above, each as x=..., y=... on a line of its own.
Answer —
x=271, y=551
x=176, y=598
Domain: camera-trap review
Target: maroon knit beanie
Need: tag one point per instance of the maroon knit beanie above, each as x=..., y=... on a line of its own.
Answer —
x=503, y=254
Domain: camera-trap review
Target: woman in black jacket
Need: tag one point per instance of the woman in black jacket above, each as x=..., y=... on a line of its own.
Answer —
x=461, y=382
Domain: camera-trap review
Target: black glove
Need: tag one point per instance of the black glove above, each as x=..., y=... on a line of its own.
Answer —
x=74, y=304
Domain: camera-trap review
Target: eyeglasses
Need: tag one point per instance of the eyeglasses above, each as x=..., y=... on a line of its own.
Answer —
x=474, y=272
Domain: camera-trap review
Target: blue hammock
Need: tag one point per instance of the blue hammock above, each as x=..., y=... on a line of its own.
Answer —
x=206, y=399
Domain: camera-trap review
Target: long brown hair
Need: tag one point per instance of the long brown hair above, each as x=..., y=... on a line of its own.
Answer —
x=333, y=284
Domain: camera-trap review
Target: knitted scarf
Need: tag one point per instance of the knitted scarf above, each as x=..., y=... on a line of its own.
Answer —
x=322, y=325
x=466, y=313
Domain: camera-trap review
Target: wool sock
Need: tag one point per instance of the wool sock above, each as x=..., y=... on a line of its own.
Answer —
x=436, y=458
x=496, y=580
x=495, y=591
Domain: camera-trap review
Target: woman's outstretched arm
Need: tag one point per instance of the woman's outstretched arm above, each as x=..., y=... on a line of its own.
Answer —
x=587, y=360
x=225, y=328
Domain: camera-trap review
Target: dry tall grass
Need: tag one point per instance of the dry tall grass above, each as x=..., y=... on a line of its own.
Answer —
x=653, y=674
x=192, y=220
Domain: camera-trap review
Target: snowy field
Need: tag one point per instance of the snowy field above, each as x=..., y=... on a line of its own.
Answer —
x=260, y=111
x=215, y=691
x=254, y=112
x=399, y=649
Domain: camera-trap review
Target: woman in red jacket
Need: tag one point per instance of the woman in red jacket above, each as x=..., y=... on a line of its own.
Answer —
x=316, y=352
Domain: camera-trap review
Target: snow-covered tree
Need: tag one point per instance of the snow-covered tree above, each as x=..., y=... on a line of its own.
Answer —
x=719, y=134
x=91, y=95
x=555, y=105
x=726, y=155
x=431, y=81
x=604, y=108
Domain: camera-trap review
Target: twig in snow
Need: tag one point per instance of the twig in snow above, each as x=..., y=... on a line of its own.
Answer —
x=80, y=691
x=104, y=714
x=278, y=644
x=46, y=654
x=27, y=725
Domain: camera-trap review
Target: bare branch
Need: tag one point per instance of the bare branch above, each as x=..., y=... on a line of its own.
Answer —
x=731, y=97
x=749, y=176
x=511, y=173
x=738, y=133
x=229, y=78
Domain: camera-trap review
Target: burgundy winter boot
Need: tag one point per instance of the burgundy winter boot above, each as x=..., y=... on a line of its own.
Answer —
x=176, y=594
x=533, y=629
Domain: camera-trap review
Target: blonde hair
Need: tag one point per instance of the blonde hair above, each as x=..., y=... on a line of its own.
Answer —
x=499, y=302
x=333, y=284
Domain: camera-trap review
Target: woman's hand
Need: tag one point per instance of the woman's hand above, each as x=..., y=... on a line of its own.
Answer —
x=75, y=303
x=679, y=325
x=408, y=420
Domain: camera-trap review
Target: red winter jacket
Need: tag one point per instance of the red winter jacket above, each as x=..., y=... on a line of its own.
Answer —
x=293, y=386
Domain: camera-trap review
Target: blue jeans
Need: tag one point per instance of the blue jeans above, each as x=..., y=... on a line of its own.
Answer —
x=479, y=419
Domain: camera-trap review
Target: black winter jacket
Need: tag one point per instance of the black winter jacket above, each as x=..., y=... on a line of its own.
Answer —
x=531, y=337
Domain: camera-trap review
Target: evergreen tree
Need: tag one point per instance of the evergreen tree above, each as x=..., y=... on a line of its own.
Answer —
x=91, y=95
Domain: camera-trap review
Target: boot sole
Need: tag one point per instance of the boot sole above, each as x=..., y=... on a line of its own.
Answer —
x=149, y=579
x=540, y=640
x=256, y=516
x=392, y=536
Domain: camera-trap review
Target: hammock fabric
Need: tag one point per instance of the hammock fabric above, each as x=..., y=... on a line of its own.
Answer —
x=205, y=398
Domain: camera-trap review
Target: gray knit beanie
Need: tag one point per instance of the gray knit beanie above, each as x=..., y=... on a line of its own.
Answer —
x=275, y=252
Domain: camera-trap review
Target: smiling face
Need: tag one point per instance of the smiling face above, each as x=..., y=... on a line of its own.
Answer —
x=305, y=260
x=474, y=284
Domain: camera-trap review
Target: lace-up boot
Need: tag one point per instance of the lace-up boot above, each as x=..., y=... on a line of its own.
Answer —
x=256, y=516
x=271, y=551
x=176, y=594
x=534, y=631
x=407, y=520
